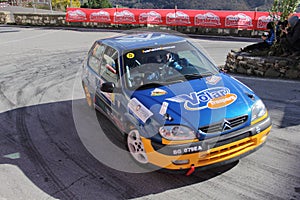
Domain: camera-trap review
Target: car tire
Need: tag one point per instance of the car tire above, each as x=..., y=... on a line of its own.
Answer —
x=135, y=147
x=88, y=96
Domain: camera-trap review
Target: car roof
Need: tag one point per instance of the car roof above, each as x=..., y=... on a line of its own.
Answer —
x=136, y=41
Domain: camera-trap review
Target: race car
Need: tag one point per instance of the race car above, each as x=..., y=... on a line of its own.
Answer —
x=174, y=107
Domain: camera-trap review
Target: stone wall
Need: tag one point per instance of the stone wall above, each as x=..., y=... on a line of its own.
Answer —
x=5, y=17
x=40, y=19
x=269, y=66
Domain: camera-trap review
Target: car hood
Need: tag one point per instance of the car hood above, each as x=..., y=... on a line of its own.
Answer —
x=198, y=102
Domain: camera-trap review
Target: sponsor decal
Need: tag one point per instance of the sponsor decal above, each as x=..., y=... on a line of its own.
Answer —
x=150, y=17
x=158, y=92
x=124, y=16
x=163, y=109
x=263, y=21
x=76, y=15
x=158, y=49
x=207, y=19
x=213, y=80
x=140, y=37
x=139, y=110
x=213, y=98
x=178, y=18
x=238, y=20
x=101, y=16
x=130, y=55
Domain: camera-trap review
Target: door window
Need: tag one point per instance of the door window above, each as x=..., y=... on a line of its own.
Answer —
x=96, y=57
x=109, y=65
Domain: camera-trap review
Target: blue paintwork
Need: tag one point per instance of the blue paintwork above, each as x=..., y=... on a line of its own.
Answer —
x=199, y=118
x=128, y=42
x=180, y=115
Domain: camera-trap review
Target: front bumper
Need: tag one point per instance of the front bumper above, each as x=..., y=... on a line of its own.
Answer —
x=213, y=151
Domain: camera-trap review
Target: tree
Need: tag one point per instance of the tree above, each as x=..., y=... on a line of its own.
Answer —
x=63, y=4
x=283, y=8
x=99, y=4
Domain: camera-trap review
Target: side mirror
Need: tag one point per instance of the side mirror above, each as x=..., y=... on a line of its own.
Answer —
x=109, y=87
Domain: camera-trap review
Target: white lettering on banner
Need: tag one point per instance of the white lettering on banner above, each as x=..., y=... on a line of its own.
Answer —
x=178, y=18
x=124, y=16
x=139, y=110
x=207, y=19
x=150, y=17
x=263, y=21
x=101, y=16
x=212, y=18
x=76, y=15
x=238, y=20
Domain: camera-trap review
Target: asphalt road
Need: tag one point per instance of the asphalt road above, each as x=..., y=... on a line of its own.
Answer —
x=48, y=136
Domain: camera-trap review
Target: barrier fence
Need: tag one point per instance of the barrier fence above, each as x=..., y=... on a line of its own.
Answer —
x=250, y=20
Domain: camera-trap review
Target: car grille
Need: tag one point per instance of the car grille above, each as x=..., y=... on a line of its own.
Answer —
x=220, y=126
x=229, y=151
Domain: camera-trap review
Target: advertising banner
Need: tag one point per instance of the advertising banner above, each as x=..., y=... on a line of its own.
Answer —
x=250, y=20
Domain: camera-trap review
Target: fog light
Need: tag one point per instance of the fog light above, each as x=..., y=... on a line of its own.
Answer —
x=263, y=138
x=180, y=162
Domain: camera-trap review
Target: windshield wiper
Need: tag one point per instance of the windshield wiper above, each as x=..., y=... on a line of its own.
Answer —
x=195, y=76
x=149, y=85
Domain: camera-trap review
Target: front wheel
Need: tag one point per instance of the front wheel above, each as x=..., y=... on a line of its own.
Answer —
x=136, y=147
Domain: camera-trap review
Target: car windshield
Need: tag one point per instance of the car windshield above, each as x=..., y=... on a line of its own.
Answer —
x=165, y=64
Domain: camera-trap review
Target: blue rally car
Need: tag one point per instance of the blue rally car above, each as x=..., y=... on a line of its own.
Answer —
x=173, y=106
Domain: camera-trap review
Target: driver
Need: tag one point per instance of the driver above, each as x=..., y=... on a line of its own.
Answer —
x=173, y=61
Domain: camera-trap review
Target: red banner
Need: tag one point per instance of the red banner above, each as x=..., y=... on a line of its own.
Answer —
x=172, y=17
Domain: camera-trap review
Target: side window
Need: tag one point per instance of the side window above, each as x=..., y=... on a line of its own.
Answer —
x=95, y=57
x=109, y=65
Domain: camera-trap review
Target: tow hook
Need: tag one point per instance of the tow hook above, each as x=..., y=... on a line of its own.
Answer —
x=191, y=170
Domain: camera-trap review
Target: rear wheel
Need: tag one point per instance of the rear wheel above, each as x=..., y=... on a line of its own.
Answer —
x=136, y=147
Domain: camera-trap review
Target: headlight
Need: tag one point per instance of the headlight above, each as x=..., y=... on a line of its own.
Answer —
x=176, y=133
x=258, y=110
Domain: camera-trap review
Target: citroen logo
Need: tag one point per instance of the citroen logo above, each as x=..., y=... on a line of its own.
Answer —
x=226, y=125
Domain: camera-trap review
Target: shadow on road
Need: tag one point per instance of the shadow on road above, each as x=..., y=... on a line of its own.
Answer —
x=52, y=156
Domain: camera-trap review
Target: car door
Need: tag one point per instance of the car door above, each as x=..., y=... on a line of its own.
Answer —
x=109, y=72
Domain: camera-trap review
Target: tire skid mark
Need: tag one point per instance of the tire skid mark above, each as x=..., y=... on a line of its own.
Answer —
x=256, y=192
x=36, y=157
x=70, y=185
x=38, y=71
x=21, y=100
x=4, y=98
x=88, y=168
x=8, y=138
x=275, y=171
